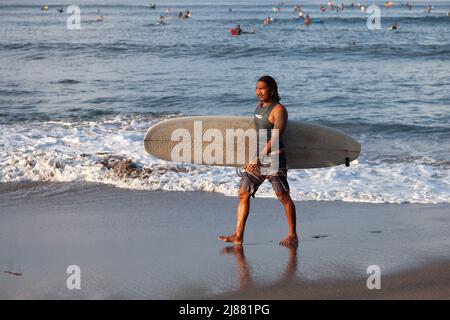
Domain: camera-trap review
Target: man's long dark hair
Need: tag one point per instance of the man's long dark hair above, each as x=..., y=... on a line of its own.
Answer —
x=272, y=84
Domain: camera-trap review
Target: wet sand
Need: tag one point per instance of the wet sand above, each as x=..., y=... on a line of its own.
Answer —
x=430, y=281
x=162, y=245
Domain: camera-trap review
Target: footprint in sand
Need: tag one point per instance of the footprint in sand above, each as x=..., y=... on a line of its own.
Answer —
x=13, y=273
x=320, y=236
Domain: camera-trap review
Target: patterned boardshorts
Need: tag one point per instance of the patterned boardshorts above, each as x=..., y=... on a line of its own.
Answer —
x=252, y=180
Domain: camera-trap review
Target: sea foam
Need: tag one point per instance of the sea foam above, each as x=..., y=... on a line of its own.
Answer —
x=110, y=151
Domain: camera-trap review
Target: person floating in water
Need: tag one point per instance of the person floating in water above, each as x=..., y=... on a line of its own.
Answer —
x=267, y=21
x=395, y=26
x=99, y=16
x=269, y=114
x=307, y=21
x=238, y=31
x=330, y=5
x=160, y=20
x=184, y=15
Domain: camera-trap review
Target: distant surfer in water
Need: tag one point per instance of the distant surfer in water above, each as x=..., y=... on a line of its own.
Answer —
x=267, y=21
x=395, y=26
x=238, y=31
x=307, y=20
x=160, y=21
x=269, y=114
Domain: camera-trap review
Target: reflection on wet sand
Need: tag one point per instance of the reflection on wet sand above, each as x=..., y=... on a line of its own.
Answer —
x=245, y=281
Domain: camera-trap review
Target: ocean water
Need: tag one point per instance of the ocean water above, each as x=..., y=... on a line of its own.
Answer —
x=75, y=104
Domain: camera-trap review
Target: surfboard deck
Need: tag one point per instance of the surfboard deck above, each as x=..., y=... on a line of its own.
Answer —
x=307, y=145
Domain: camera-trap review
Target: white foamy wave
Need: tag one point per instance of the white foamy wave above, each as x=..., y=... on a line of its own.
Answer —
x=111, y=151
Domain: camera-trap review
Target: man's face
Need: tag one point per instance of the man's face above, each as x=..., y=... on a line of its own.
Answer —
x=262, y=91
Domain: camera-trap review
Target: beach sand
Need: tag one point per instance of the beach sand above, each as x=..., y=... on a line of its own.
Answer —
x=162, y=245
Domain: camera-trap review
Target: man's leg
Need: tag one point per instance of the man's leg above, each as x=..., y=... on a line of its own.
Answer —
x=289, y=209
x=242, y=212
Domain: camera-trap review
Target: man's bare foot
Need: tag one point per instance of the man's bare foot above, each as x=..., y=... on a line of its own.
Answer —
x=289, y=241
x=233, y=238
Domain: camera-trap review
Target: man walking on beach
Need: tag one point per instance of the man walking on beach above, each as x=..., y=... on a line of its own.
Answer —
x=269, y=114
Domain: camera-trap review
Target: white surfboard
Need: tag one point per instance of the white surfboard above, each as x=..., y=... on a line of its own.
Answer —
x=227, y=141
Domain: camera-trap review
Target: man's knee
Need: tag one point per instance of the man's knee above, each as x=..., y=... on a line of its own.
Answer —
x=284, y=197
x=243, y=195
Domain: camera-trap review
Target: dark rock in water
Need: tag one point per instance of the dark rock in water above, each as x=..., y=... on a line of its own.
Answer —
x=124, y=167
